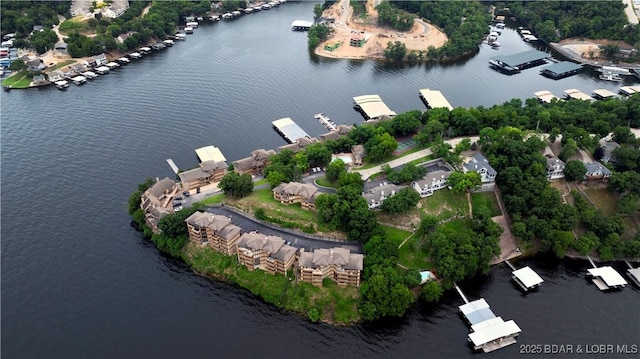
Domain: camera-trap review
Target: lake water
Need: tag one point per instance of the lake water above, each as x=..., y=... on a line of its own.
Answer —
x=78, y=281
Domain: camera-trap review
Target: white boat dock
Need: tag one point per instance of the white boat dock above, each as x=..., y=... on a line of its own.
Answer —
x=168, y=42
x=372, y=107
x=289, y=129
x=210, y=153
x=526, y=277
x=112, y=65
x=79, y=80
x=602, y=94
x=575, y=94
x=634, y=274
x=629, y=90
x=605, y=278
x=124, y=60
x=145, y=50
x=102, y=70
x=173, y=166
x=544, y=96
x=135, y=55
x=90, y=75
x=325, y=121
x=62, y=84
x=301, y=25
x=434, y=99
x=488, y=331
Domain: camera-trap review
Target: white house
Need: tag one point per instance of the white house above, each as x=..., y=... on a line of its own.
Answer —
x=480, y=164
x=433, y=181
x=376, y=195
x=596, y=171
x=555, y=167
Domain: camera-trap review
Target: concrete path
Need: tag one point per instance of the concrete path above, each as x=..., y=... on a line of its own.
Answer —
x=630, y=12
x=366, y=173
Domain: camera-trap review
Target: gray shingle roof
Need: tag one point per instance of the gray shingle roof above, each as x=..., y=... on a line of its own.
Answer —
x=479, y=162
x=161, y=186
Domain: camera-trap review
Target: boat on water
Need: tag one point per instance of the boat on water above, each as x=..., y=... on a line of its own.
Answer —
x=62, y=84
x=89, y=75
x=611, y=77
x=168, y=42
x=495, y=44
x=188, y=30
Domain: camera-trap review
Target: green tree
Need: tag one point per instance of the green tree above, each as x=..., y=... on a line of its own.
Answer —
x=569, y=149
x=384, y=295
x=380, y=146
x=395, y=51
x=334, y=170
x=403, y=201
x=17, y=65
x=317, y=11
x=236, y=185
x=431, y=291
x=464, y=182
x=574, y=170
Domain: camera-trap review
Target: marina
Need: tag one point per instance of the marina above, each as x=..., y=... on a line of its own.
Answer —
x=372, y=107
x=301, y=25
x=515, y=63
x=605, y=278
x=325, y=121
x=488, y=331
x=561, y=70
x=525, y=277
x=289, y=129
x=434, y=99
x=629, y=90
x=575, y=94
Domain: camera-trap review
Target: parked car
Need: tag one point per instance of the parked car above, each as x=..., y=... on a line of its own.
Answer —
x=179, y=208
x=177, y=203
x=186, y=193
x=177, y=198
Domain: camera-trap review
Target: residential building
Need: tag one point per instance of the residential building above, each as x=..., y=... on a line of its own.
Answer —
x=40, y=80
x=98, y=60
x=268, y=253
x=156, y=202
x=480, y=164
x=35, y=64
x=337, y=264
x=255, y=163
x=608, y=148
x=295, y=192
x=213, y=230
x=555, y=167
x=432, y=182
x=596, y=172
x=358, y=154
x=341, y=130
x=206, y=173
x=299, y=144
x=376, y=195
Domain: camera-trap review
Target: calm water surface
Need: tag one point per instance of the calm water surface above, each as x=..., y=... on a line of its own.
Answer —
x=78, y=281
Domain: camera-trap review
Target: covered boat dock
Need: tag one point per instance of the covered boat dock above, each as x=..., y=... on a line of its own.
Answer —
x=606, y=278
x=289, y=129
x=489, y=332
x=561, y=70
x=516, y=62
x=634, y=274
x=526, y=278
x=301, y=25
x=372, y=107
x=434, y=99
x=544, y=96
x=210, y=153
x=602, y=94
x=629, y=90
x=575, y=94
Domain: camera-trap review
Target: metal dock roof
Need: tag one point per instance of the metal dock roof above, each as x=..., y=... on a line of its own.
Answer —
x=434, y=99
x=522, y=57
x=210, y=153
x=289, y=129
x=562, y=67
x=603, y=93
x=372, y=106
x=544, y=96
x=577, y=95
x=499, y=329
x=629, y=90
x=608, y=275
x=528, y=277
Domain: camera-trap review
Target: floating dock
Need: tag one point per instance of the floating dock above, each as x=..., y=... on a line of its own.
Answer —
x=602, y=94
x=629, y=90
x=301, y=25
x=575, y=94
x=561, y=70
x=634, y=274
x=372, y=108
x=325, y=121
x=210, y=153
x=289, y=129
x=173, y=166
x=544, y=96
x=605, y=278
x=517, y=62
x=526, y=278
x=488, y=332
x=434, y=99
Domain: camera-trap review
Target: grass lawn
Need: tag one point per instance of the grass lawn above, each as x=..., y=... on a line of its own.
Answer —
x=390, y=158
x=445, y=204
x=74, y=24
x=458, y=224
x=322, y=181
x=421, y=159
x=395, y=235
x=217, y=198
x=487, y=199
x=413, y=256
x=263, y=198
x=605, y=200
x=61, y=65
x=260, y=182
x=21, y=79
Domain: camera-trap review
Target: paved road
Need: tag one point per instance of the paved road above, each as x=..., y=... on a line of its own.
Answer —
x=297, y=240
x=366, y=173
x=632, y=15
